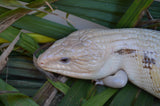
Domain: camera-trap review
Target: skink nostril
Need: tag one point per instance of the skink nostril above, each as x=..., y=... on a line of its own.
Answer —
x=42, y=63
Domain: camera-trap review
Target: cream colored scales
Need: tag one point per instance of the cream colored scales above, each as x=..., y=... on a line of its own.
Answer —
x=111, y=57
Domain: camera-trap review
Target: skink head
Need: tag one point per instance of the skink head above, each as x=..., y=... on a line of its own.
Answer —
x=75, y=56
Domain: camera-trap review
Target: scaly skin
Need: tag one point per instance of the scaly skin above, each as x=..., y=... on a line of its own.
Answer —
x=98, y=53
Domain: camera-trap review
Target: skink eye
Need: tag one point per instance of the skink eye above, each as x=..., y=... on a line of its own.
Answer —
x=65, y=60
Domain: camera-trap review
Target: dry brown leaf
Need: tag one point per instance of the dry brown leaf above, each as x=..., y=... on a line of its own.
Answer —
x=48, y=89
x=5, y=54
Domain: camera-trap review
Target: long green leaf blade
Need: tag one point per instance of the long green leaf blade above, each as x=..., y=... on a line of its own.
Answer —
x=14, y=99
x=21, y=73
x=104, y=12
x=76, y=94
x=22, y=66
x=44, y=27
x=60, y=86
x=155, y=9
x=11, y=16
x=3, y=10
x=144, y=99
x=125, y=97
x=101, y=98
x=131, y=17
x=25, y=41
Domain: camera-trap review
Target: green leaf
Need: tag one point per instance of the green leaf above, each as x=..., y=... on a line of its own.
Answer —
x=106, y=12
x=26, y=86
x=21, y=73
x=28, y=43
x=19, y=66
x=2, y=10
x=44, y=27
x=101, y=98
x=103, y=12
x=144, y=99
x=125, y=97
x=131, y=17
x=14, y=99
x=60, y=86
x=10, y=3
x=26, y=0
x=76, y=93
x=25, y=41
x=154, y=9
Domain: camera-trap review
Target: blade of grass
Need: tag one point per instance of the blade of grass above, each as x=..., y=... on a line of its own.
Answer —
x=28, y=1
x=5, y=54
x=49, y=92
x=134, y=13
x=40, y=38
x=21, y=74
x=15, y=99
x=26, y=86
x=154, y=9
x=25, y=41
x=144, y=99
x=8, y=18
x=104, y=12
x=3, y=10
x=22, y=67
x=10, y=3
x=125, y=97
x=76, y=94
x=60, y=86
x=101, y=98
x=44, y=27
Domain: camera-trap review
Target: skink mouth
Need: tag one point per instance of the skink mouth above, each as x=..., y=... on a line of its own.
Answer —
x=73, y=74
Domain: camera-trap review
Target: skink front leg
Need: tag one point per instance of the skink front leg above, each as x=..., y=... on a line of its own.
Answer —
x=118, y=80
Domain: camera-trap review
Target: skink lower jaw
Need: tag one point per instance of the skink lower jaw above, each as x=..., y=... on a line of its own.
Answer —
x=72, y=74
x=69, y=73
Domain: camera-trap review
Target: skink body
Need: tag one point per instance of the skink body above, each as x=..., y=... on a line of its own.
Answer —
x=113, y=56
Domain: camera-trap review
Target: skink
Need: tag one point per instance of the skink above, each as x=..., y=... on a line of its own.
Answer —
x=111, y=57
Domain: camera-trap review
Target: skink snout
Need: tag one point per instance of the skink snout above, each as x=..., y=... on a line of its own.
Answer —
x=41, y=62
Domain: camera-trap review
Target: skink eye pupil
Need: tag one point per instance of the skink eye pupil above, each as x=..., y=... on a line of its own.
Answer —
x=65, y=60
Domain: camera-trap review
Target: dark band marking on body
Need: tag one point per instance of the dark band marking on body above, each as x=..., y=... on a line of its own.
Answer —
x=148, y=62
x=125, y=51
x=150, y=74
